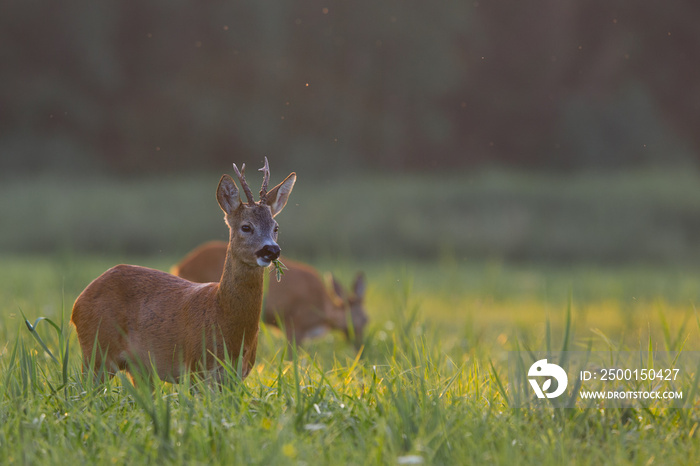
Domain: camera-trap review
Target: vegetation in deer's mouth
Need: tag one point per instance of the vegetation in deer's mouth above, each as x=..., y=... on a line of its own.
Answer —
x=279, y=268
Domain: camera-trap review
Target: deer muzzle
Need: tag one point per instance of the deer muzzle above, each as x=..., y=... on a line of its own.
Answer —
x=267, y=254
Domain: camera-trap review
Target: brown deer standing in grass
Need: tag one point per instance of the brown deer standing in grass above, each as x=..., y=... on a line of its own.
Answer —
x=300, y=301
x=136, y=316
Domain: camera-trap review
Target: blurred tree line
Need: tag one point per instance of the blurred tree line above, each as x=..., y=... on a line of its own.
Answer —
x=130, y=86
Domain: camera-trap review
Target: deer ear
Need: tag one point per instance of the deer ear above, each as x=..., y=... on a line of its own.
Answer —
x=360, y=285
x=227, y=195
x=335, y=290
x=277, y=197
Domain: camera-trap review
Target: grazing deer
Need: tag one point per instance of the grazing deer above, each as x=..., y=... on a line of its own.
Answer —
x=136, y=316
x=300, y=301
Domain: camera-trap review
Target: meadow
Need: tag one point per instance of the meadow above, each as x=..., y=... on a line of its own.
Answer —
x=430, y=385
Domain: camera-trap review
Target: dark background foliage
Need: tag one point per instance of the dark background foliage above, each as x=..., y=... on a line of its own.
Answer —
x=543, y=130
x=135, y=87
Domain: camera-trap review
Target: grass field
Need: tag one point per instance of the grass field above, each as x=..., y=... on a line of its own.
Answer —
x=430, y=387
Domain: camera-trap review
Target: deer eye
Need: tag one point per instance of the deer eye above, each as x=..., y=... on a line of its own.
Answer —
x=277, y=228
x=246, y=228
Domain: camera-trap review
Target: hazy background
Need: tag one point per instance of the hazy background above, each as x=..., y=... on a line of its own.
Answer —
x=454, y=130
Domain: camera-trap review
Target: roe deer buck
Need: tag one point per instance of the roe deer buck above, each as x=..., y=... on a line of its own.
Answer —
x=140, y=316
x=300, y=300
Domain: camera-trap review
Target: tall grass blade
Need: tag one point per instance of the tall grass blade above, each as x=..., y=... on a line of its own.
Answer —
x=650, y=352
x=64, y=369
x=32, y=330
x=11, y=365
x=605, y=338
x=567, y=332
x=501, y=387
x=694, y=387
x=567, y=324
x=668, y=344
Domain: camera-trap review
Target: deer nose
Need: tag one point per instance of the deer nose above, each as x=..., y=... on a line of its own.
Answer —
x=269, y=252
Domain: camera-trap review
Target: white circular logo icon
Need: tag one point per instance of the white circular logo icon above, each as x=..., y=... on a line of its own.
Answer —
x=542, y=368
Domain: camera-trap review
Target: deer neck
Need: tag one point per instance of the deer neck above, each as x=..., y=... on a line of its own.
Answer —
x=240, y=297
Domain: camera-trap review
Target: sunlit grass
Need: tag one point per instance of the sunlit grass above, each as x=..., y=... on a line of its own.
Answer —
x=430, y=385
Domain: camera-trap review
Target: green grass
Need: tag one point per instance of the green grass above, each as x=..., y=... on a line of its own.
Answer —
x=431, y=384
x=641, y=217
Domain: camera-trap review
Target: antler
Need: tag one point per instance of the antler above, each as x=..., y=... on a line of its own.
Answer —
x=266, y=179
x=246, y=188
x=244, y=184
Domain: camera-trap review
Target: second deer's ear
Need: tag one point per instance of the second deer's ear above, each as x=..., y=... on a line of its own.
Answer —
x=227, y=195
x=335, y=290
x=277, y=197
